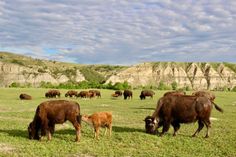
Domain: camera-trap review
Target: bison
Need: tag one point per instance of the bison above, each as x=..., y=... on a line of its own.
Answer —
x=146, y=93
x=53, y=112
x=208, y=94
x=52, y=94
x=127, y=94
x=118, y=92
x=71, y=93
x=96, y=93
x=25, y=97
x=99, y=119
x=178, y=109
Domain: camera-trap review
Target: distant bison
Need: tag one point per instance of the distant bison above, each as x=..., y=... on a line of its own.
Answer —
x=25, y=97
x=86, y=94
x=114, y=95
x=52, y=94
x=118, y=92
x=54, y=112
x=146, y=93
x=174, y=110
x=127, y=94
x=208, y=94
x=71, y=93
x=95, y=93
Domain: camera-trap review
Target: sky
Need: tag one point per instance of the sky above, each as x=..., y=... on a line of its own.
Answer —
x=120, y=32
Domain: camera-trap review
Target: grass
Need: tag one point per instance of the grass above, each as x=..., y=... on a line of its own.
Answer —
x=128, y=136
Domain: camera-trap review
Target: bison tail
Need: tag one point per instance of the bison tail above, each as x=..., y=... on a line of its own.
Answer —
x=217, y=107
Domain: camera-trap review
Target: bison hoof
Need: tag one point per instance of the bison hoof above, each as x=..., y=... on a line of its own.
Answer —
x=206, y=136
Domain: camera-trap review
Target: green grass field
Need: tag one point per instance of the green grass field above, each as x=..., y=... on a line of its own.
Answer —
x=128, y=136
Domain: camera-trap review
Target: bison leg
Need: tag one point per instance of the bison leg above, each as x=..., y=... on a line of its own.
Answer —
x=200, y=126
x=176, y=127
x=208, y=125
x=44, y=128
x=110, y=129
x=96, y=133
x=78, y=132
x=166, y=126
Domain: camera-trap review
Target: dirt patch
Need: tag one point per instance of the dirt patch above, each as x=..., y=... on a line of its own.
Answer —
x=212, y=118
x=4, y=148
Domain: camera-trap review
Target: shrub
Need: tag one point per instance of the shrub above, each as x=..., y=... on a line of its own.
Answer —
x=174, y=85
x=15, y=85
x=163, y=86
x=14, y=61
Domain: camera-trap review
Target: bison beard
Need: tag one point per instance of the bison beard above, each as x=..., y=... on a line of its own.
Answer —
x=54, y=112
x=173, y=110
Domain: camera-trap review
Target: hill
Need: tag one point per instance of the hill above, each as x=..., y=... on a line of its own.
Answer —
x=26, y=70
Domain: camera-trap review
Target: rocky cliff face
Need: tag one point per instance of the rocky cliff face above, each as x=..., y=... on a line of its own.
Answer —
x=194, y=75
x=10, y=73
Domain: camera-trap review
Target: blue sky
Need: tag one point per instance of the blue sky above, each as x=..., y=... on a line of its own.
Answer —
x=120, y=32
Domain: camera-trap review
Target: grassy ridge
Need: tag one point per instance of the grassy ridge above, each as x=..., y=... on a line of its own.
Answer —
x=128, y=137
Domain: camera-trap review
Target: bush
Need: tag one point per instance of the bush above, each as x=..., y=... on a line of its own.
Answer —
x=174, y=85
x=163, y=86
x=15, y=85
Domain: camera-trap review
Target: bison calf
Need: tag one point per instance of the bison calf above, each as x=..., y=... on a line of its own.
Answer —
x=54, y=112
x=99, y=119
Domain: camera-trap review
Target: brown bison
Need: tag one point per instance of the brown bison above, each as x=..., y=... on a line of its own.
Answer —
x=86, y=94
x=52, y=94
x=71, y=93
x=99, y=119
x=82, y=94
x=25, y=97
x=118, y=92
x=127, y=94
x=146, y=93
x=96, y=93
x=54, y=112
x=208, y=94
x=181, y=109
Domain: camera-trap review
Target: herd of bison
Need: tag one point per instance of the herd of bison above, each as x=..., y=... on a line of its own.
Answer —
x=173, y=108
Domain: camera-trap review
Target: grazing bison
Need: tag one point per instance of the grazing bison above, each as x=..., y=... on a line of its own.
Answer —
x=54, y=112
x=96, y=93
x=118, y=92
x=99, y=119
x=25, y=97
x=174, y=93
x=52, y=94
x=174, y=110
x=83, y=94
x=71, y=93
x=86, y=94
x=127, y=94
x=146, y=93
x=207, y=94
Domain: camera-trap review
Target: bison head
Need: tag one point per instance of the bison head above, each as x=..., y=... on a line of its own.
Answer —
x=32, y=132
x=150, y=125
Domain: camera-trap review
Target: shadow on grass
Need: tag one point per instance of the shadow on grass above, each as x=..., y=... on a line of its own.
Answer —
x=126, y=129
x=144, y=108
x=15, y=133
